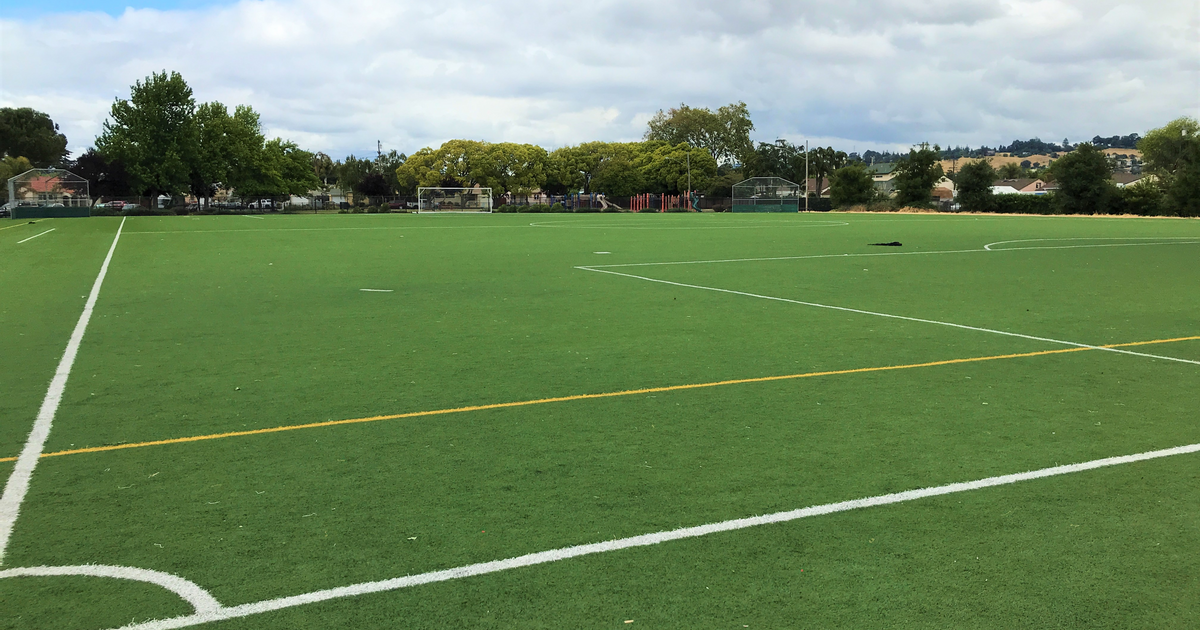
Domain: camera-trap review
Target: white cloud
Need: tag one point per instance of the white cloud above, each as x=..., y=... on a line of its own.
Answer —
x=337, y=76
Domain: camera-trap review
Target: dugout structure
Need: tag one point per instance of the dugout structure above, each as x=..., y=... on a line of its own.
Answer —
x=767, y=194
x=438, y=199
x=42, y=193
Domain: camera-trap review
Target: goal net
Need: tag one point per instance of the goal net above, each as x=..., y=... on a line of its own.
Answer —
x=438, y=199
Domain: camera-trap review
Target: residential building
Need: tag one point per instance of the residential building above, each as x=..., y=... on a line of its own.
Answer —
x=1018, y=187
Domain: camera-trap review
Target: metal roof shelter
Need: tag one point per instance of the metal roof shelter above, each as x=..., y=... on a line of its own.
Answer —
x=48, y=192
x=767, y=194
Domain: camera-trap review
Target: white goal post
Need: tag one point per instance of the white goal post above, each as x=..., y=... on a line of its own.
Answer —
x=439, y=199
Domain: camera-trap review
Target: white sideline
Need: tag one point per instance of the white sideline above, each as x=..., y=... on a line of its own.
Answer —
x=37, y=235
x=564, y=553
x=890, y=316
x=199, y=598
x=985, y=248
x=629, y=226
x=1092, y=238
x=18, y=481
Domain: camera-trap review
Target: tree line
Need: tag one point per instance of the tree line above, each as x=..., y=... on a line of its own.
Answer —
x=160, y=141
x=1085, y=185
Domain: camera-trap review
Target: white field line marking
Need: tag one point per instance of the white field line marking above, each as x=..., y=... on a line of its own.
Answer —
x=1095, y=238
x=644, y=540
x=870, y=254
x=18, y=481
x=378, y=290
x=37, y=235
x=337, y=229
x=627, y=226
x=251, y=216
x=199, y=598
x=889, y=315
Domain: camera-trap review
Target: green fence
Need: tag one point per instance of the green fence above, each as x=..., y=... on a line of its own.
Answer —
x=755, y=205
x=49, y=212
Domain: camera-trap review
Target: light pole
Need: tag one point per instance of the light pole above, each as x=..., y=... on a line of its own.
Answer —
x=806, y=176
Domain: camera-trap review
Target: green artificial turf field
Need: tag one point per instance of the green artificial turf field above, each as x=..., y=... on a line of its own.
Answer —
x=222, y=328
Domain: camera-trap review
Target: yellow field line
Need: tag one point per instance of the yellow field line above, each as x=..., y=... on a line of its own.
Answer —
x=13, y=226
x=627, y=392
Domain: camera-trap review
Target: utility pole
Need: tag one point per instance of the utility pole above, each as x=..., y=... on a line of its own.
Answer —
x=378, y=149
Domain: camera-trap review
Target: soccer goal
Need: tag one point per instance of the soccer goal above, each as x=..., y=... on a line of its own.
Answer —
x=438, y=199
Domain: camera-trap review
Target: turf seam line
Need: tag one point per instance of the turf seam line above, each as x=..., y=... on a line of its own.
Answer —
x=37, y=235
x=644, y=540
x=891, y=316
x=18, y=480
x=540, y=401
x=873, y=254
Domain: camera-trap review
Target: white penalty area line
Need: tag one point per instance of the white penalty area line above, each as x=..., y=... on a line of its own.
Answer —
x=37, y=235
x=18, y=481
x=986, y=248
x=251, y=216
x=378, y=290
x=554, y=555
x=889, y=316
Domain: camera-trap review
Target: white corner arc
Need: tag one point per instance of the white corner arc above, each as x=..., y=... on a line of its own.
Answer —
x=189, y=591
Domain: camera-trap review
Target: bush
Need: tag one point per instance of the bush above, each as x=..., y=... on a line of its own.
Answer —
x=139, y=211
x=1143, y=199
x=531, y=208
x=1024, y=204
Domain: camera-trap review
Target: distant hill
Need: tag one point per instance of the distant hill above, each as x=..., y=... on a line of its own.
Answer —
x=1035, y=161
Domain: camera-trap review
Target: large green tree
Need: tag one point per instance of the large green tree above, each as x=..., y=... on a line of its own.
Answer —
x=667, y=168
x=1172, y=154
x=106, y=178
x=776, y=159
x=504, y=167
x=210, y=161
x=154, y=134
x=386, y=165
x=1010, y=170
x=851, y=185
x=725, y=132
x=28, y=133
x=618, y=172
x=822, y=161
x=916, y=173
x=1084, y=179
x=11, y=167
x=325, y=170
x=351, y=172
x=285, y=169
x=974, y=183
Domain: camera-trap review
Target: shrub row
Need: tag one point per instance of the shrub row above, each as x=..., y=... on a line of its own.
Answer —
x=541, y=207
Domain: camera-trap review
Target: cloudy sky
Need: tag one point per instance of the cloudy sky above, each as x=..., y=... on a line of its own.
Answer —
x=338, y=75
